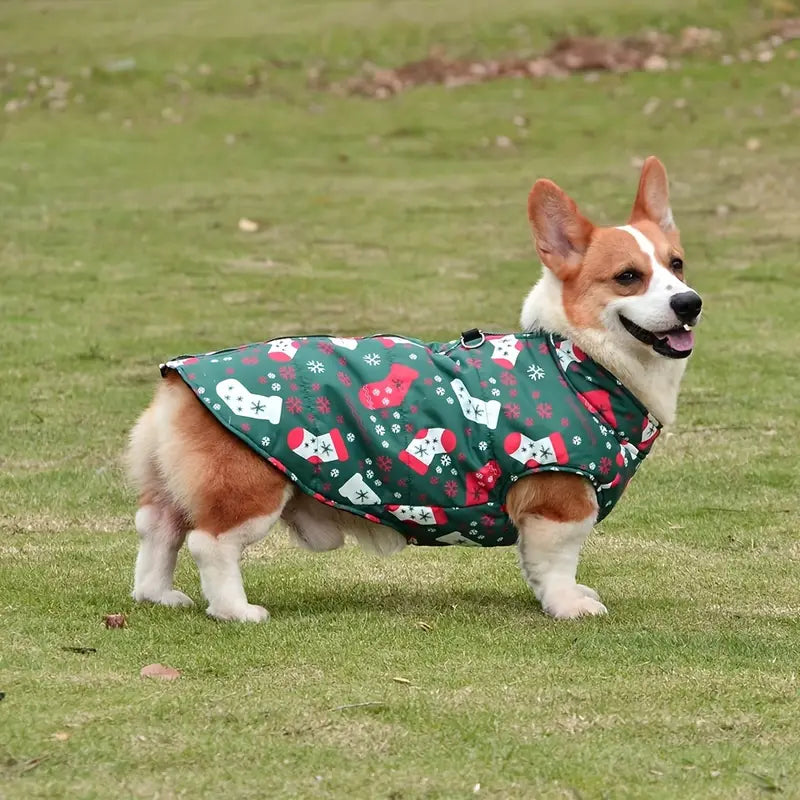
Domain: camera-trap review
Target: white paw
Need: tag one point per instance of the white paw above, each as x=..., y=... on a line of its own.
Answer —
x=587, y=591
x=245, y=613
x=170, y=597
x=573, y=604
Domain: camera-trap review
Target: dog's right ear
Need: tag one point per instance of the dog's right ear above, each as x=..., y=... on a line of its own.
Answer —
x=561, y=232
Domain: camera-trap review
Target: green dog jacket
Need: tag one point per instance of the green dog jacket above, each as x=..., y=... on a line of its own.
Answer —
x=426, y=437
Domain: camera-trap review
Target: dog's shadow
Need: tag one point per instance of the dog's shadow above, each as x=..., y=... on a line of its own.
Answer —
x=395, y=600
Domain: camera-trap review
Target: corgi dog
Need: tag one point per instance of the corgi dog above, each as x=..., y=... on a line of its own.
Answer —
x=233, y=441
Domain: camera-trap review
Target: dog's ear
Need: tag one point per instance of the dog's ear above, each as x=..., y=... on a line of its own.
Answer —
x=561, y=232
x=652, y=197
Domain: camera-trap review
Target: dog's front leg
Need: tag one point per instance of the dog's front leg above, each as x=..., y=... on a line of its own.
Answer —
x=548, y=554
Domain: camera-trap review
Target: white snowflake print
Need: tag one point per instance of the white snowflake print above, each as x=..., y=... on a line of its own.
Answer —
x=396, y=415
x=412, y=356
x=334, y=473
x=216, y=406
x=514, y=478
x=453, y=471
x=495, y=392
x=608, y=445
x=603, y=430
x=351, y=437
x=438, y=470
x=395, y=428
x=380, y=430
x=367, y=460
x=439, y=391
x=201, y=390
x=450, y=400
x=397, y=495
x=535, y=372
x=317, y=367
x=492, y=380
x=265, y=440
x=215, y=361
x=271, y=376
x=369, y=473
x=384, y=443
x=592, y=465
x=437, y=378
x=373, y=359
x=276, y=387
x=446, y=460
x=482, y=445
x=373, y=418
x=576, y=440
x=378, y=482
x=228, y=358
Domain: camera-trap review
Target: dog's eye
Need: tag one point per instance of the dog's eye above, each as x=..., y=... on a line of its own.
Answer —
x=676, y=264
x=628, y=277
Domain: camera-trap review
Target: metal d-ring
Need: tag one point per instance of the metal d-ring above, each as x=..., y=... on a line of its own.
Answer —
x=476, y=344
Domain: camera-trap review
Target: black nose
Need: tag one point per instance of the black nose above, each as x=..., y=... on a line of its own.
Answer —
x=686, y=305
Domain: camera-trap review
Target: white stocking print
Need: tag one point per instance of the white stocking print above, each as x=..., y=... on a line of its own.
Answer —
x=425, y=446
x=317, y=449
x=536, y=452
x=483, y=412
x=244, y=403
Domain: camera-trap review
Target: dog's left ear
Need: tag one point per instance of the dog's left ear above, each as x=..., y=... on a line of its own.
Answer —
x=652, y=197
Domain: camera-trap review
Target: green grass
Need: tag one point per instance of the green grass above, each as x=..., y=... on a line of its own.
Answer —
x=120, y=247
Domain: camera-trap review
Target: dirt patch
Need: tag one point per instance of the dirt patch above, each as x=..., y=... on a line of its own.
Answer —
x=651, y=52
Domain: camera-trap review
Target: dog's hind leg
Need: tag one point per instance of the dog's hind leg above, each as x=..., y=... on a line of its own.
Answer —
x=161, y=532
x=160, y=525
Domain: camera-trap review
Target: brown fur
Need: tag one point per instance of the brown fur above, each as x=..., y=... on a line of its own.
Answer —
x=560, y=497
x=216, y=481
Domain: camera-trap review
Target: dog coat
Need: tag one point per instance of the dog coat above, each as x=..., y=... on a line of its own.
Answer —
x=426, y=437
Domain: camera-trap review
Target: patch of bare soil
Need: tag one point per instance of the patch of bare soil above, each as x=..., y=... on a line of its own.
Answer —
x=651, y=52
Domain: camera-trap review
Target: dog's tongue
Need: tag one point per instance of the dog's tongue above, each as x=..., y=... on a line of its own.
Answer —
x=681, y=340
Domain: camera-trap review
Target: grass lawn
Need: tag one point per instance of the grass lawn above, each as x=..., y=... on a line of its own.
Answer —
x=120, y=247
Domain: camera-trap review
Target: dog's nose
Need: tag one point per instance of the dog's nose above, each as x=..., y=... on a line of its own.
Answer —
x=686, y=305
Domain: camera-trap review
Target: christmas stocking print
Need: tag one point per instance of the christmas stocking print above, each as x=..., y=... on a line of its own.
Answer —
x=506, y=350
x=481, y=482
x=358, y=492
x=569, y=353
x=283, y=349
x=536, y=452
x=425, y=446
x=483, y=412
x=420, y=515
x=390, y=391
x=245, y=404
x=317, y=449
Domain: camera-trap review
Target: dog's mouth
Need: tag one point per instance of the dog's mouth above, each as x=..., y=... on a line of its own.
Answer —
x=674, y=343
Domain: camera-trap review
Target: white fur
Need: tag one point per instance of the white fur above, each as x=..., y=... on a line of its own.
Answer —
x=159, y=542
x=548, y=555
x=654, y=379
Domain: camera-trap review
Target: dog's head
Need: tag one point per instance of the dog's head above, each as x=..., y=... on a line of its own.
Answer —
x=628, y=282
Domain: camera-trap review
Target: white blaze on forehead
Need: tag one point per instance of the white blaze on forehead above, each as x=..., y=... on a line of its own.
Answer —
x=645, y=245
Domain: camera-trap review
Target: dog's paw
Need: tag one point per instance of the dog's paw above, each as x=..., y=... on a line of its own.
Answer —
x=573, y=604
x=587, y=591
x=171, y=597
x=246, y=613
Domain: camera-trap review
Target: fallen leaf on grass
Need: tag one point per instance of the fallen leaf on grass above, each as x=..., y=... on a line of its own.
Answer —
x=405, y=681
x=115, y=620
x=82, y=650
x=248, y=225
x=159, y=671
x=61, y=736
